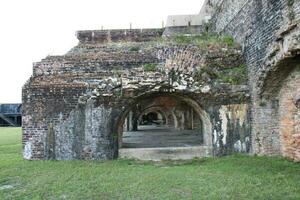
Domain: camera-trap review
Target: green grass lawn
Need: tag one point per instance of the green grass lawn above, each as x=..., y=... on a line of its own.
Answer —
x=234, y=177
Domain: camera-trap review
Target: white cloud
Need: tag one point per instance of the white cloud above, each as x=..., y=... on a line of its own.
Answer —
x=33, y=29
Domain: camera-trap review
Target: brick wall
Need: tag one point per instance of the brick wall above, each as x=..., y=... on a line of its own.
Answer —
x=289, y=112
x=256, y=24
x=72, y=102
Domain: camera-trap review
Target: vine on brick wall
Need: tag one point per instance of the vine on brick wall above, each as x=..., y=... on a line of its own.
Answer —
x=291, y=13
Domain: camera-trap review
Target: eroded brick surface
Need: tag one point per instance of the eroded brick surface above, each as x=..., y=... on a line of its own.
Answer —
x=73, y=105
x=269, y=34
x=290, y=116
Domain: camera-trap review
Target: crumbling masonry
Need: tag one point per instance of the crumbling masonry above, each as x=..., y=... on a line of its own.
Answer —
x=241, y=96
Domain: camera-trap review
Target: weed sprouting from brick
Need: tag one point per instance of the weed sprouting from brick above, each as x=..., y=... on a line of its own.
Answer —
x=204, y=40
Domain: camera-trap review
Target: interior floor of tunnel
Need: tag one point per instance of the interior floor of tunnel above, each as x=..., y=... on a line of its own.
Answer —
x=156, y=136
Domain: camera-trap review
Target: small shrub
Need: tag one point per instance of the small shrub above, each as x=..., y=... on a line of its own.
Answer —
x=134, y=49
x=149, y=67
x=263, y=104
x=204, y=40
x=234, y=76
x=228, y=40
x=273, y=53
x=291, y=2
x=181, y=39
x=291, y=15
x=207, y=26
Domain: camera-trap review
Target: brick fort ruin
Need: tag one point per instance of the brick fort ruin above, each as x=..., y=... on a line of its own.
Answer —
x=224, y=81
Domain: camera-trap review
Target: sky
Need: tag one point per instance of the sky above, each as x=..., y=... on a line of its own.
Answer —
x=30, y=30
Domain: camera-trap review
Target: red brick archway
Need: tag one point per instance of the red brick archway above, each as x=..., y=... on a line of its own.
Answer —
x=289, y=115
x=165, y=99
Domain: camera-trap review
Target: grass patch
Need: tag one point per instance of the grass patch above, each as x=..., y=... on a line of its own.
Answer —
x=134, y=49
x=233, y=177
x=149, y=67
x=205, y=40
x=234, y=76
x=9, y=136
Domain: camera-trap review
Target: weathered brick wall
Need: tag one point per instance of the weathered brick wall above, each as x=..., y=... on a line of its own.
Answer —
x=231, y=129
x=119, y=35
x=179, y=30
x=256, y=25
x=289, y=112
x=44, y=104
x=71, y=103
x=226, y=11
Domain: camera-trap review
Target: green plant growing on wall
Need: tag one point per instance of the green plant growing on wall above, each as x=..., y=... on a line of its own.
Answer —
x=134, y=49
x=235, y=76
x=204, y=40
x=207, y=26
x=263, y=104
x=290, y=2
x=117, y=70
x=149, y=67
x=242, y=97
x=228, y=40
x=291, y=13
x=272, y=54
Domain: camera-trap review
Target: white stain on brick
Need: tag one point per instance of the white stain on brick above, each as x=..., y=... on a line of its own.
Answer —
x=224, y=119
x=27, y=154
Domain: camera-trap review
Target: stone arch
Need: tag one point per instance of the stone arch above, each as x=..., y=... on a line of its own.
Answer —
x=118, y=121
x=154, y=109
x=274, y=78
x=289, y=115
x=280, y=90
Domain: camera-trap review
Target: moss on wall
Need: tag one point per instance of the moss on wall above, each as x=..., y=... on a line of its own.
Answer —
x=149, y=67
x=205, y=40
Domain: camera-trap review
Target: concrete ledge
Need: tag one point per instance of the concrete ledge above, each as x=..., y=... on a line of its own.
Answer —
x=183, y=30
x=118, y=35
x=166, y=153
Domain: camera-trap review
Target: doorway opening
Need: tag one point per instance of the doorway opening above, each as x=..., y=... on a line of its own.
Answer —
x=164, y=122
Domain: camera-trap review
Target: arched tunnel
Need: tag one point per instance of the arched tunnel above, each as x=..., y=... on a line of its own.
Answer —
x=164, y=120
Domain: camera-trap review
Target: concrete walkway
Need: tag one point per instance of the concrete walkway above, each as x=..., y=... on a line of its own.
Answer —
x=161, y=136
